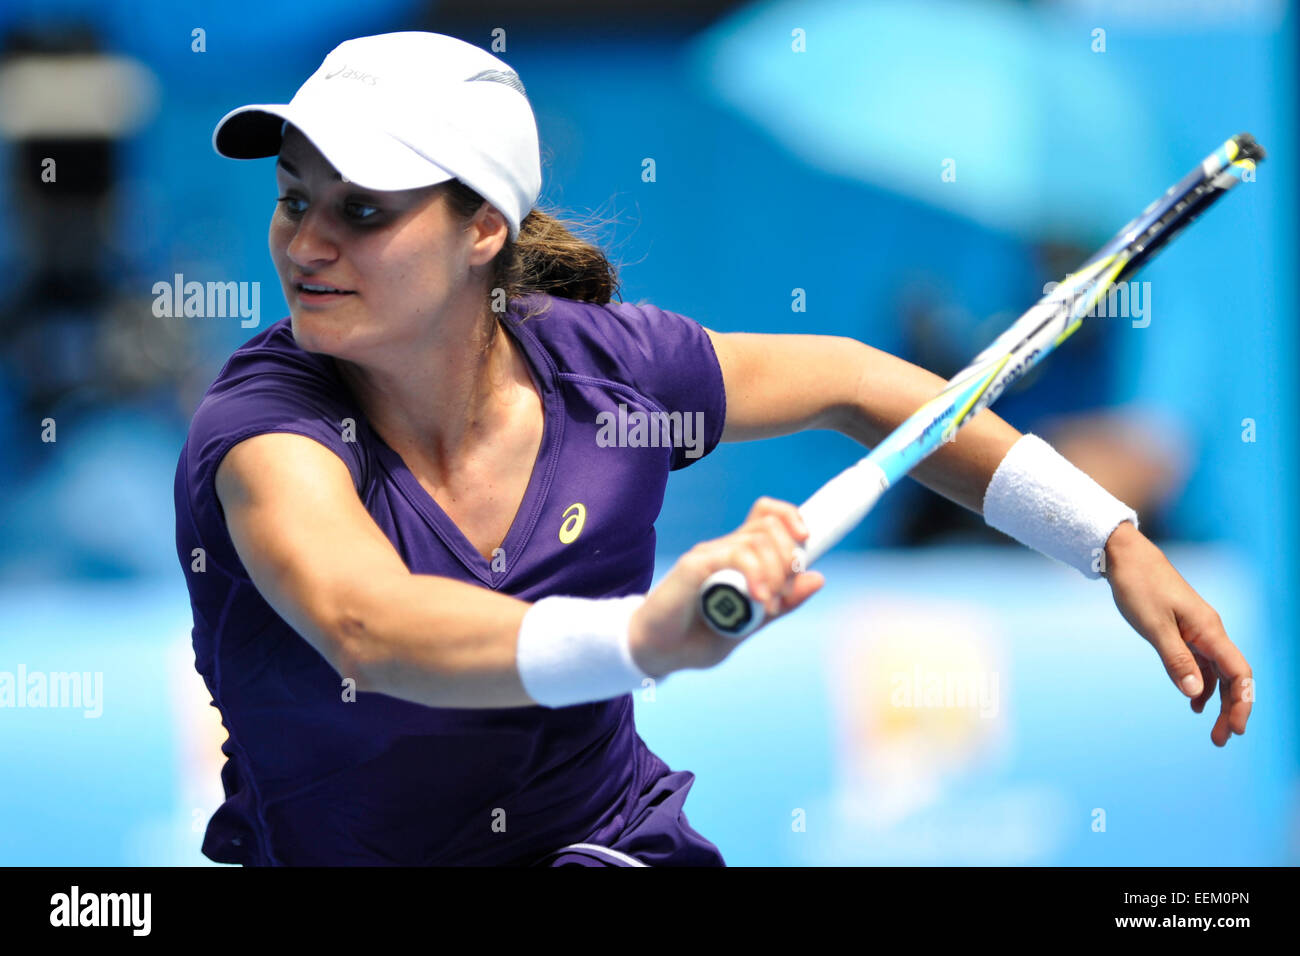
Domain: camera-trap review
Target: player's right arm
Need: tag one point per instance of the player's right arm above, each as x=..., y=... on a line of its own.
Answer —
x=319, y=560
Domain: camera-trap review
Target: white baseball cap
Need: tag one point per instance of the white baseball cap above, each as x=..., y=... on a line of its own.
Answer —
x=404, y=110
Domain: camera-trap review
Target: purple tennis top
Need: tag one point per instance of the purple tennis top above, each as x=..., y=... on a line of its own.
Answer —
x=630, y=393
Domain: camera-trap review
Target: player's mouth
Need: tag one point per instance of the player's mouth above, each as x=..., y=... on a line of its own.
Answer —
x=319, y=292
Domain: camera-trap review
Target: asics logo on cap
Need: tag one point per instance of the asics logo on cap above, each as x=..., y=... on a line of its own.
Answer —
x=499, y=76
x=343, y=73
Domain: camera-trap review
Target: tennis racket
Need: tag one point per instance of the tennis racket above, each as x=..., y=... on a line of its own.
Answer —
x=837, y=507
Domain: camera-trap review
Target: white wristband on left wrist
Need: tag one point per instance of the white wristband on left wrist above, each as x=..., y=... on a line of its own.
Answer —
x=1046, y=503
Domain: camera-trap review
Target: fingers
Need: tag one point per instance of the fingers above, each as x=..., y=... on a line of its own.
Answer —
x=1180, y=663
x=1210, y=676
x=787, y=513
x=1198, y=657
x=804, y=586
x=764, y=556
x=1196, y=651
x=746, y=559
x=766, y=551
x=1204, y=632
x=1221, y=730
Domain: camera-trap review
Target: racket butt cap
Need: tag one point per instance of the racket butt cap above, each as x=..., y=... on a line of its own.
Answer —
x=727, y=606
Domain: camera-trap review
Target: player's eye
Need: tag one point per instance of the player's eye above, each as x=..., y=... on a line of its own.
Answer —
x=359, y=211
x=287, y=202
x=361, y=205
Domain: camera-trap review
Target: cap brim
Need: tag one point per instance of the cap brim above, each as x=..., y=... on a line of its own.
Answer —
x=359, y=150
x=250, y=132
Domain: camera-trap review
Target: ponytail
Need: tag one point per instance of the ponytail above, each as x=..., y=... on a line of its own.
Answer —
x=548, y=256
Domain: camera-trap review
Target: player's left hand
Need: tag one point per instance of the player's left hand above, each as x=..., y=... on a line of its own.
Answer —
x=1186, y=632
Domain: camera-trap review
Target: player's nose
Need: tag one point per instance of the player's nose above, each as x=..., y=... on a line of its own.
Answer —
x=313, y=240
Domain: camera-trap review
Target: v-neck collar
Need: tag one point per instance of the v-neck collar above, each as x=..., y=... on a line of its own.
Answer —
x=530, y=508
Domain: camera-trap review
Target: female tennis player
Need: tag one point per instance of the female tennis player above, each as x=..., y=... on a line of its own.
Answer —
x=417, y=558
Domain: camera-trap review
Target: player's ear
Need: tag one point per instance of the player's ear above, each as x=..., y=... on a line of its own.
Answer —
x=489, y=232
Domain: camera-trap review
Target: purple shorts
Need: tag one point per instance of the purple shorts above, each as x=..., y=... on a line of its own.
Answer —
x=654, y=833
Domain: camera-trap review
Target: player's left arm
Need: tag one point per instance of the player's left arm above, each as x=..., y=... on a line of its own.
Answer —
x=780, y=384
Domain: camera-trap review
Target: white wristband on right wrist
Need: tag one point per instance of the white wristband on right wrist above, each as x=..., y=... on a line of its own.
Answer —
x=1046, y=503
x=575, y=650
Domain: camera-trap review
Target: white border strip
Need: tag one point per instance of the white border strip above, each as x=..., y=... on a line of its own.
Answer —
x=629, y=860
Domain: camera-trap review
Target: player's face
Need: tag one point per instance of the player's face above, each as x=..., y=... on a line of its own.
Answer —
x=400, y=257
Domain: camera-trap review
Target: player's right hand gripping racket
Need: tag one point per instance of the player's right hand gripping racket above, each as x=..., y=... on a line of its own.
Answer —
x=837, y=507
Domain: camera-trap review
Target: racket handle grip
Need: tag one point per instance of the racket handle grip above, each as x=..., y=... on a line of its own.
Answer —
x=727, y=606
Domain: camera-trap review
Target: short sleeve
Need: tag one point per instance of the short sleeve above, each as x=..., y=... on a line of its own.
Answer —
x=300, y=400
x=669, y=358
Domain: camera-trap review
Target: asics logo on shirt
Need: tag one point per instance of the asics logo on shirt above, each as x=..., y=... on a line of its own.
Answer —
x=575, y=516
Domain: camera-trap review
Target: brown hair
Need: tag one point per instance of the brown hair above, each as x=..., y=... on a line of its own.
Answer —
x=548, y=256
